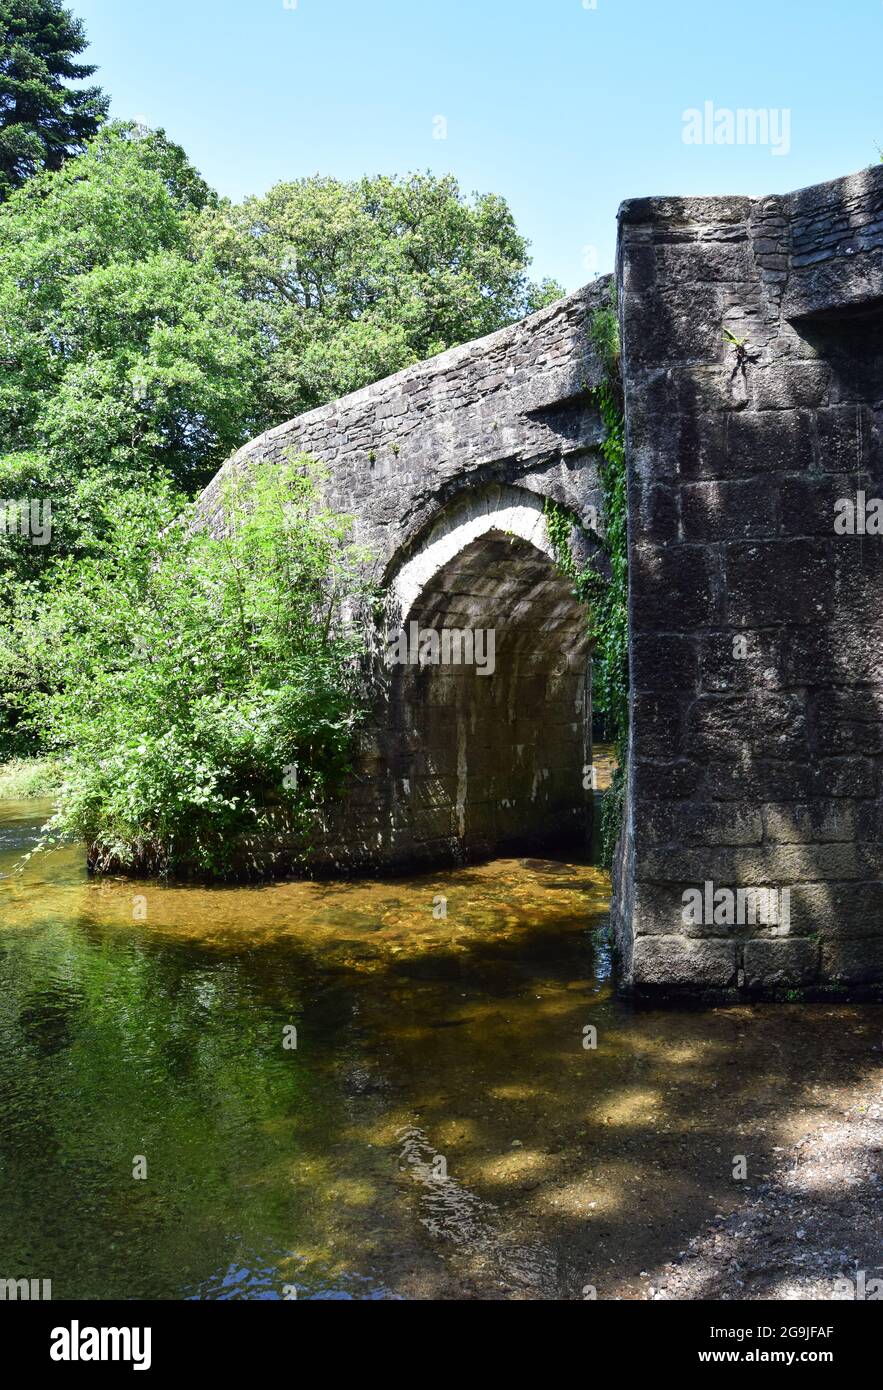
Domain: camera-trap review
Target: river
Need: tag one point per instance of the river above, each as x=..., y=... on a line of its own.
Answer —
x=367, y=1090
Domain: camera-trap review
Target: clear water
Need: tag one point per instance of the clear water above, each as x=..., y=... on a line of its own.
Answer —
x=439, y=1130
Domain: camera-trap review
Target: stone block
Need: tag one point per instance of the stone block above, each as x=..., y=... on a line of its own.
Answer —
x=734, y=510
x=684, y=823
x=853, y=962
x=837, y=910
x=765, y=725
x=777, y=582
x=790, y=385
x=674, y=962
x=773, y=443
x=775, y=964
x=673, y=588
x=809, y=823
x=663, y=662
x=754, y=866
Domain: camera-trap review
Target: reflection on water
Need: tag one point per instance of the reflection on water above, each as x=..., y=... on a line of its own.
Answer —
x=439, y=1130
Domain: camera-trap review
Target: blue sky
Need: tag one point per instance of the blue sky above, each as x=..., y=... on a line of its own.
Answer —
x=563, y=108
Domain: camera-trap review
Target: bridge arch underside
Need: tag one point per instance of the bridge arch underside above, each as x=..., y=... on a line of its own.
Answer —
x=471, y=760
x=489, y=758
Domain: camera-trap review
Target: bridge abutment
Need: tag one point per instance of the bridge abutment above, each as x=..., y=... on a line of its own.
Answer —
x=753, y=366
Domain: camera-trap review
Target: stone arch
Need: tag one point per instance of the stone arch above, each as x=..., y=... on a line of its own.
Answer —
x=506, y=510
x=479, y=747
x=486, y=756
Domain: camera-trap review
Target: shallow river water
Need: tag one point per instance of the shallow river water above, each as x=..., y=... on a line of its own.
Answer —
x=440, y=1129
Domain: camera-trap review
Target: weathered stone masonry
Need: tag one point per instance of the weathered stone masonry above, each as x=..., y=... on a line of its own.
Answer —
x=756, y=631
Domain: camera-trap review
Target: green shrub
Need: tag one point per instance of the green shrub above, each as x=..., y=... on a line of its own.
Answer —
x=25, y=778
x=201, y=691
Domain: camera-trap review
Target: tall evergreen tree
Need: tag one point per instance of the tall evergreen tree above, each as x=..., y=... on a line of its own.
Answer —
x=43, y=119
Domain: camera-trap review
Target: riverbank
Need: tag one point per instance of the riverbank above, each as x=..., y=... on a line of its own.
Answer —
x=812, y=1227
x=24, y=779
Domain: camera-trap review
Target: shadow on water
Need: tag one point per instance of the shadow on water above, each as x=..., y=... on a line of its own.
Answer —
x=440, y=1129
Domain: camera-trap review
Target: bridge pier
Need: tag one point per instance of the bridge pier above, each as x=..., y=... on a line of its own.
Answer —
x=756, y=646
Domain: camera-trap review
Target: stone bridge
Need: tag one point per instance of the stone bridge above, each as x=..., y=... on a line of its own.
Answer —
x=756, y=609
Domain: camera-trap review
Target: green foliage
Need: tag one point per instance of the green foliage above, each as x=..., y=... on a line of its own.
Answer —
x=606, y=596
x=43, y=119
x=610, y=623
x=733, y=341
x=22, y=779
x=126, y=358
x=124, y=355
x=200, y=690
x=604, y=337
x=358, y=280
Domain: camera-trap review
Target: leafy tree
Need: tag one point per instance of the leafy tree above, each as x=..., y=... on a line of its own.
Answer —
x=357, y=280
x=43, y=119
x=125, y=354
x=126, y=357
x=202, y=690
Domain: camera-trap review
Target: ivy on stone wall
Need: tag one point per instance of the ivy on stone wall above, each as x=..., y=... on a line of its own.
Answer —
x=605, y=596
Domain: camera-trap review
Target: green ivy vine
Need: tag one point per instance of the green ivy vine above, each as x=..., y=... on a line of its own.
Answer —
x=606, y=597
